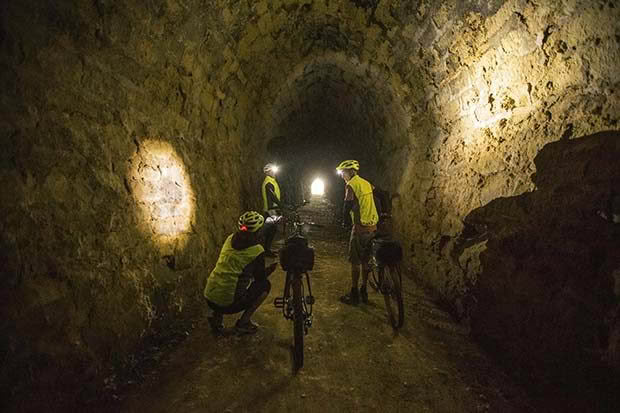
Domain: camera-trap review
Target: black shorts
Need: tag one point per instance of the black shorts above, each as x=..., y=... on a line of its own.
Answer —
x=243, y=300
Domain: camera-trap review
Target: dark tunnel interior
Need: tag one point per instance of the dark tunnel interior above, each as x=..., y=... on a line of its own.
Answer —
x=334, y=116
x=134, y=135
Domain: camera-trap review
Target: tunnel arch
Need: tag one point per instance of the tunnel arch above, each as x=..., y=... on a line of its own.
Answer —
x=289, y=38
x=335, y=105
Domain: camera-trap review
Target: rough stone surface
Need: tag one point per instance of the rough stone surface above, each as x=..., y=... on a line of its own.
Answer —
x=85, y=277
x=447, y=103
x=547, y=295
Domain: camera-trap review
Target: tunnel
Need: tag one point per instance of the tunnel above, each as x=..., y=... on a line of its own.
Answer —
x=135, y=134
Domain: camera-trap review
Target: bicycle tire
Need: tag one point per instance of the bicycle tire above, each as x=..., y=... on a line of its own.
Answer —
x=372, y=278
x=298, y=324
x=392, y=294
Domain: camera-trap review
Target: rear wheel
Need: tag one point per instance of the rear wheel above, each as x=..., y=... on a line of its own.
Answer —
x=298, y=324
x=372, y=278
x=392, y=294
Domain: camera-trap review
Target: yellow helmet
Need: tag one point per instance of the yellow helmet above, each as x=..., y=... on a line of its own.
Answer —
x=251, y=221
x=349, y=164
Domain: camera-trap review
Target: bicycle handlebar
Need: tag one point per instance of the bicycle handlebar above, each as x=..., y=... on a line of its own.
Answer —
x=294, y=208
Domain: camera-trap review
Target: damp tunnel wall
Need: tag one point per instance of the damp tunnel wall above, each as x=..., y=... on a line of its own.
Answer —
x=135, y=135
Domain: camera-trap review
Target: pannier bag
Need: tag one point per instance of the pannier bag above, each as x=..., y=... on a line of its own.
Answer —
x=387, y=251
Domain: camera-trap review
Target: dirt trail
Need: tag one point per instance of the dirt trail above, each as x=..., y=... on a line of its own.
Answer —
x=353, y=360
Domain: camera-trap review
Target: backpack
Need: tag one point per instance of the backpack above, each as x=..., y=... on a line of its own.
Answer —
x=383, y=202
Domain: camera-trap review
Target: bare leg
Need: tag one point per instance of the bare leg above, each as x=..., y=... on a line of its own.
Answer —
x=365, y=271
x=353, y=296
x=247, y=315
x=355, y=276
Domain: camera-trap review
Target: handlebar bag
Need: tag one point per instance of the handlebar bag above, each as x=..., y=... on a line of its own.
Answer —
x=297, y=255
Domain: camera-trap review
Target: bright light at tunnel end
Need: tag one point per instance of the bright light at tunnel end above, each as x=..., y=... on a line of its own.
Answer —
x=318, y=187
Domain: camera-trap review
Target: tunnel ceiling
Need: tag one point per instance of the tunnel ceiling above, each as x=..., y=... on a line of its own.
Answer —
x=334, y=110
x=322, y=72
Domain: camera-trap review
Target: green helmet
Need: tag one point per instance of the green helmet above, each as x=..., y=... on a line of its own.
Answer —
x=349, y=164
x=251, y=221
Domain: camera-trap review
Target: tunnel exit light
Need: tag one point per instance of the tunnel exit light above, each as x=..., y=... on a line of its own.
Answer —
x=318, y=187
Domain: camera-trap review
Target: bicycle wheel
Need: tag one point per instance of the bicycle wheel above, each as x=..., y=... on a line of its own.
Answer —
x=393, y=296
x=298, y=324
x=373, y=279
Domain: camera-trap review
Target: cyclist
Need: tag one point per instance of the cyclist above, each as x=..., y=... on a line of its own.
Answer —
x=359, y=204
x=271, y=206
x=239, y=280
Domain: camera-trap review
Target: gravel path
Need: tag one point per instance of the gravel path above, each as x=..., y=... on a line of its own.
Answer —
x=353, y=360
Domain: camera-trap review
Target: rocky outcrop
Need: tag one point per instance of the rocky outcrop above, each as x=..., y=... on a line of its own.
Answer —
x=547, y=297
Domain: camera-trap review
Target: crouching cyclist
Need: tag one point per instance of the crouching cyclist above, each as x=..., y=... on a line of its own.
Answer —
x=239, y=280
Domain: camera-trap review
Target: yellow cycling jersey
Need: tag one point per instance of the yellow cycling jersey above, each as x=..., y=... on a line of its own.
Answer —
x=222, y=282
x=276, y=190
x=367, y=210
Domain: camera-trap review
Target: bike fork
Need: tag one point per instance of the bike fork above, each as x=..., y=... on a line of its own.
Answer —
x=286, y=301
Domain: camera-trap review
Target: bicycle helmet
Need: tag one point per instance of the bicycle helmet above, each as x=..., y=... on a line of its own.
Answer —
x=251, y=221
x=270, y=167
x=349, y=164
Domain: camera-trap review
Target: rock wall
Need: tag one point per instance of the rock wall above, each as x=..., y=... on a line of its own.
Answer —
x=501, y=84
x=548, y=297
x=120, y=176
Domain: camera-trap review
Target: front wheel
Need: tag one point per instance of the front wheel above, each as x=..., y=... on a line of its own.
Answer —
x=298, y=324
x=393, y=296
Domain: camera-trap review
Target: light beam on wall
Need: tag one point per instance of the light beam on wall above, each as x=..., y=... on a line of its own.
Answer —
x=165, y=201
x=318, y=187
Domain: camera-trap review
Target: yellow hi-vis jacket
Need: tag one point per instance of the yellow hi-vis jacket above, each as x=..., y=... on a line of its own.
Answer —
x=276, y=190
x=222, y=282
x=367, y=214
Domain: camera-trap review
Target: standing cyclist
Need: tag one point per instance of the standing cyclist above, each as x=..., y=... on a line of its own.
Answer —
x=239, y=280
x=359, y=204
x=271, y=206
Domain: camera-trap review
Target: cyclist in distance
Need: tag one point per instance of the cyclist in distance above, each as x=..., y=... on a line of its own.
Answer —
x=239, y=280
x=359, y=204
x=271, y=206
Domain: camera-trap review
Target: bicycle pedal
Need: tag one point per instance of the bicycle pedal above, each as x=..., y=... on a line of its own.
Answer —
x=278, y=302
x=309, y=300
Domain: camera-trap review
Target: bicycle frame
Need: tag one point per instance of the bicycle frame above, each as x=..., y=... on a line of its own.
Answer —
x=384, y=256
x=287, y=301
x=378, y=268
x=297, y=259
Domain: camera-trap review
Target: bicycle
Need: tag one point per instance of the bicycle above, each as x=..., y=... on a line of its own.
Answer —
x=385, y=275
x=297, y=259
